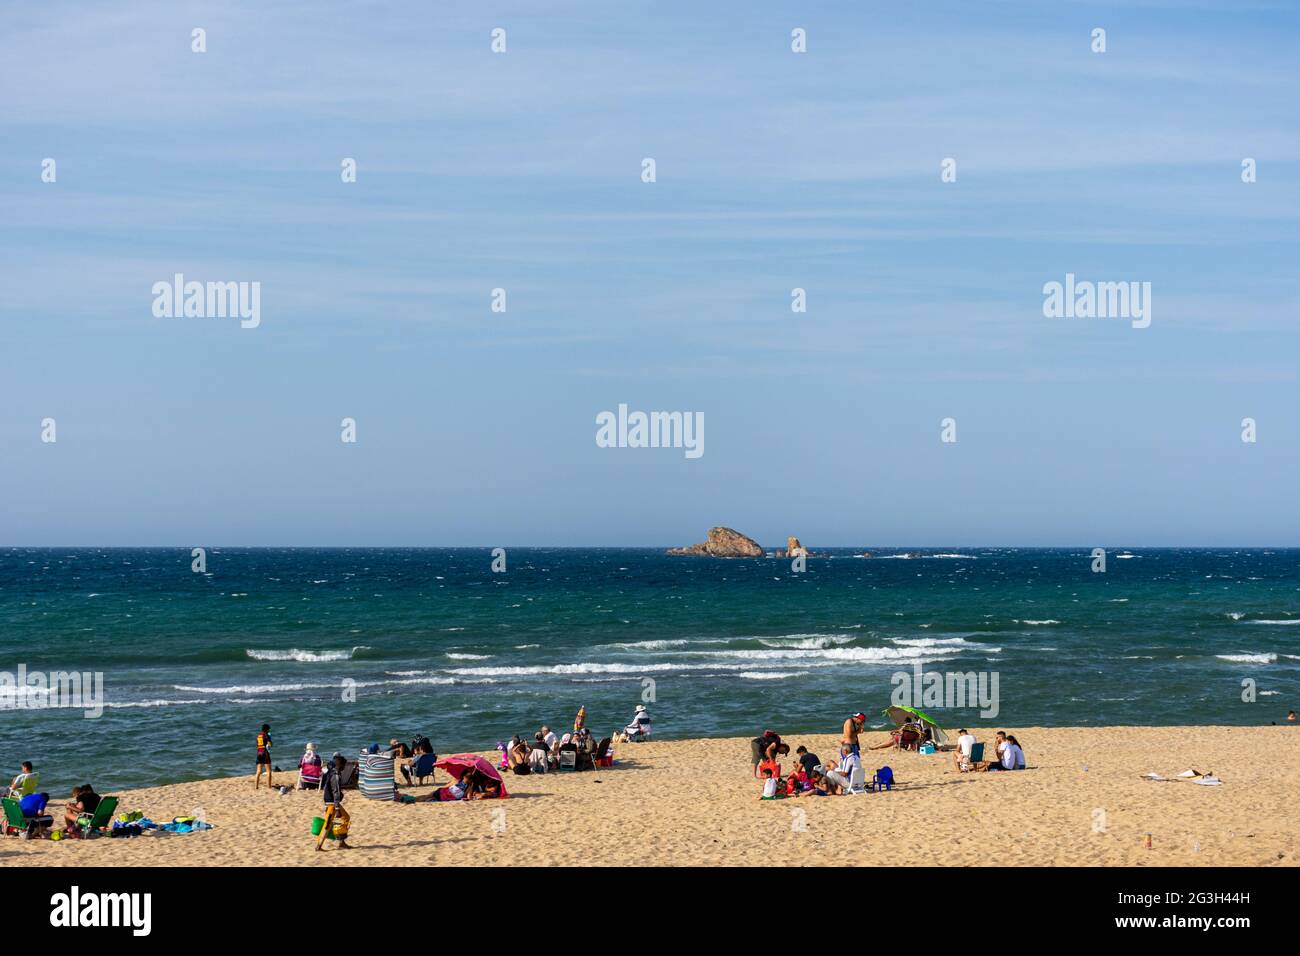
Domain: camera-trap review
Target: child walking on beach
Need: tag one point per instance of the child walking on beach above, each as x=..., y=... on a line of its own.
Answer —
x=263, y=756
x=336, y=818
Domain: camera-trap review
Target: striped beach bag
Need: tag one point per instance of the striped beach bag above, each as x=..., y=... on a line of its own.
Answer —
x=376, y=777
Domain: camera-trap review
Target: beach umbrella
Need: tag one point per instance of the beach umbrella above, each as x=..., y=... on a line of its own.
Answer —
x=460, y=764
x=901, y=715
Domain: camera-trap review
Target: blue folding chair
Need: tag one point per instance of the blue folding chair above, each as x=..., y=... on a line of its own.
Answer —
x=883, y=779
x=422, y=767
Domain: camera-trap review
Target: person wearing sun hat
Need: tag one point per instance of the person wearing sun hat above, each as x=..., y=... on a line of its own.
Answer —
x=639, y=728
x=852, y=727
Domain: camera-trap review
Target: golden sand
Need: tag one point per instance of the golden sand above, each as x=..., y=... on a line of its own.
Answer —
x=690, y=802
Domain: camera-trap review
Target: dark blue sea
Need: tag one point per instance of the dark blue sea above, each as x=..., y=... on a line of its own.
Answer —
x=345, y=647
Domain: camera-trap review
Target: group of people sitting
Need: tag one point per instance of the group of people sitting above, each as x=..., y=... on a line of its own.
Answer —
x=810, y=776
x=414, y=761
x=1007, y=754
x=33, y=804
x=546, y=752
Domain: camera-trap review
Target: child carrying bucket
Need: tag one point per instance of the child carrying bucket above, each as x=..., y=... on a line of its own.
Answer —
x=335, y=822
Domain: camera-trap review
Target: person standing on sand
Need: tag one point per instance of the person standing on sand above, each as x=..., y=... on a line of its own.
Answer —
x=263, y=756
x=852, y=727
x=331, y=786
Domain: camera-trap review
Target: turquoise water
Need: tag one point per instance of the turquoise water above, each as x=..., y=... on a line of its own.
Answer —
x=436, y=643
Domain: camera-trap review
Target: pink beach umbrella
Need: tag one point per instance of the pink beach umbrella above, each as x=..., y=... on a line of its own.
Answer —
x=460, y=764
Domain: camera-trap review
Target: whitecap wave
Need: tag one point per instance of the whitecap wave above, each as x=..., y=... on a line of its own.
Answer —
x=770, y=675
x=1248, y=658
x=306, y=657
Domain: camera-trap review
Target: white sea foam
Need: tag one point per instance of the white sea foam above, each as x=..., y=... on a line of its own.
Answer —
x=770, y=675
x=1236, y=615
x=307, y=657
x=1036, y=623
x=806, y=642
x=666, y=645
x=469, y=657
x=1294, y=620
x=1248, y=658
x=833, y=654
x=936, y=642
x=283, y=688
x=156, y=703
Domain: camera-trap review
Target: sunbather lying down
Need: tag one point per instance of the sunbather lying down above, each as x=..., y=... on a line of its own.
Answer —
x=902, y=739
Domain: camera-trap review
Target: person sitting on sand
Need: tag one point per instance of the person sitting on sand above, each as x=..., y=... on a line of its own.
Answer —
x=961, y=756
x=839, y=779
x=336, y=818
x=1018, y=753
x=482, y=787
x=773, y=786
x=806, y=760
x=309, y=768
x=538, y=758
x=639, y=728
x=26, y=782
x=517, y=756
x=1011, y=757
x=84, y=801
x=401, y=755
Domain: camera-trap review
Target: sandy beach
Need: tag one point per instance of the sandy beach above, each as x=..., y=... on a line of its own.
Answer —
x=1081, y=802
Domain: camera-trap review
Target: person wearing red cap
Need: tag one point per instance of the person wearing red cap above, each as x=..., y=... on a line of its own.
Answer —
x=852, y=727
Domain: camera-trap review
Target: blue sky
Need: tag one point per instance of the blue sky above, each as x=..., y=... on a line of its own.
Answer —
x=522, y=171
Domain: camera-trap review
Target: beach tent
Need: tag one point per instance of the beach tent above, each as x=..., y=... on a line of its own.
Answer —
x=377, y=781
x=901, y=715
x=460, y=764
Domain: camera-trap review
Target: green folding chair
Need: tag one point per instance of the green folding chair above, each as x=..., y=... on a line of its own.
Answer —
x=101, y=818
x=15, y=822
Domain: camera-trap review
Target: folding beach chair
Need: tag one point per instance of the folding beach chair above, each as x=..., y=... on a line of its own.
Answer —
x=309, y=777
x=15, y=822
x=27, y=784
x=101, y=818
x=966, y=762
x=421, y=767
x=604, y=757
x=568, y=759
x=858, y=780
